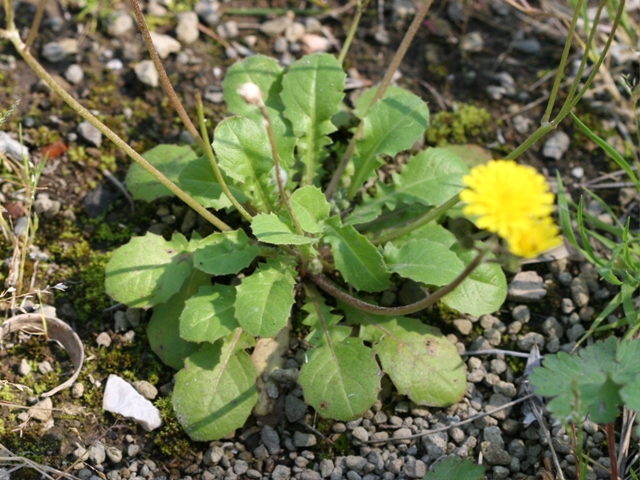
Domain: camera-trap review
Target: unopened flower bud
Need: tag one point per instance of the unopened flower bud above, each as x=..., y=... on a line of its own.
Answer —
x=251, y=93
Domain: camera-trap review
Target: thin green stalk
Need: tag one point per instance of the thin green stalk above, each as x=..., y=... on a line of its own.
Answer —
x=164, y=78
x=384, y=84
x=352, y=32
x=35, y=25
x=563, y=63
x=9, y=14
x=13, y=36
x=214, y=164
x=586, y=55
x=329, y=287
x=393, y=233
x=570, y=103
x=276, y=161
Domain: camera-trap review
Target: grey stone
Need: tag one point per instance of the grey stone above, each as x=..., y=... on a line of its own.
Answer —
x=12, y=147
x=380, y=437
x=187, y=28
x=505, y=388
x=517, y=449
x=81, y=454
x=46, y=207
x=552, y=328
x=356, y=463
x=494, y=435
x=294, y=408
x=565, y=278
x=463, y=325
x=90, y=133
x=240, y=467
x=500, y=472
x=208, y=11
x=495, y=401
x=527, y=287
x=53, y=52
x=521, y=313
x=119, y=23
x=270, y=439
x=351, y=475
x=575, y=332
x=281, y=472
x=527, y=341
x=103, y=340
x=74, y=74
x=133, y=316
x=414, y=468
x=360, y=433
x=97, y=453
x=133, y=450
x=77, y=390
x=301, y=439
x=494, y=454
x=114, y=454
x=579, y=291
x=42, y=410
x=326, y=467
x=553, y=345
x=145, y=389
x=45, y=367
x=24, y=368
x=472, y=42
x=280, y=45
x=498, y=366
x=567, y=306
x=146, y=72
x=402, y=432
x=228, y=30
x=556, y=145
x=165, y=45
x=308, y=474
x=277, y=26
x=295, y=32
x=529, y=46
x=213, y=455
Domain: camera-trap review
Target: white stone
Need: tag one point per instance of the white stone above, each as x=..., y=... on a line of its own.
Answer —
x=187, y=29
x=556, y=145
x=12, y=147
x=74, y=74
x=315, y=43
x=119, y=23
x=147, y=73
x=165, y=45
x=122, y=398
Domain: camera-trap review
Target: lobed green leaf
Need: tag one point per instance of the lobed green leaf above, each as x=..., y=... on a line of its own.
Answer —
x=209, y=314
x=359, y=262
x=215, y=391
x=163, y=330
x=264, y=299
x=392, y=125
x=340, y=380
x=169, y=159
x=270, y=229
x=313, y=88
x=148, y=270
x=223, y=253
x=310, y=208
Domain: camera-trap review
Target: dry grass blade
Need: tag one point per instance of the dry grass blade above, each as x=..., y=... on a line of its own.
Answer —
x=10, y=463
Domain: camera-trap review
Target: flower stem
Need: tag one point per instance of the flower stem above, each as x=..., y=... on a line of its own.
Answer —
x=393, y=233
x=352, y=31
x=13, y=36
x=164, y=78
x=571, y=102
x=384, y=84
x=214, y=164
x=332, y=289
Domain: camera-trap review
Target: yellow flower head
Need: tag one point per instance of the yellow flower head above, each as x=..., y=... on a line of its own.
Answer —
x=504, y=194
x=531, y=240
